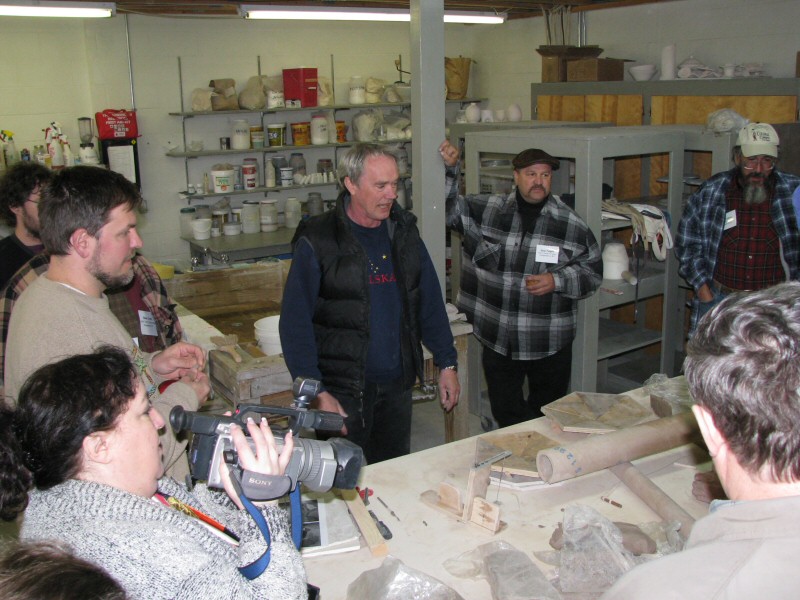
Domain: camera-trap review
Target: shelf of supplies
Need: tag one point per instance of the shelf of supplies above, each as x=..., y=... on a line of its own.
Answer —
x=256, y=190
x=290, y=109
x=617, y=338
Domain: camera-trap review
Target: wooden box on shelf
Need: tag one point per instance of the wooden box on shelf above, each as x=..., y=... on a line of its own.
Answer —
x=596, y=69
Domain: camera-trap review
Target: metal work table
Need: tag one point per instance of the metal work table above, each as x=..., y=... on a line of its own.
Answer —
x=242, y=247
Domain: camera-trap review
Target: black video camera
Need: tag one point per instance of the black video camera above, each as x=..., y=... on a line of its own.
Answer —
x=319, y=465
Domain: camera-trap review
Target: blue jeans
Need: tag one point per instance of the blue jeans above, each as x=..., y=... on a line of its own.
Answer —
x=383, y=425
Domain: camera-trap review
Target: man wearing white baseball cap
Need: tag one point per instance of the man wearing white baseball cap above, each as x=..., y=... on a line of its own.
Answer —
x=739, y=231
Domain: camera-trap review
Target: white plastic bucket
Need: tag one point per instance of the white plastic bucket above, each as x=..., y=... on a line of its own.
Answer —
x=268, y=335
x=222, y=180
x=201, y=229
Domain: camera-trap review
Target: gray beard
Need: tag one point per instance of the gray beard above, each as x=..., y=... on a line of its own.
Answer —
x=755, y=194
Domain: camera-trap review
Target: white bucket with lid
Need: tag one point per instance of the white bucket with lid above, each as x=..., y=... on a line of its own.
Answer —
x=268, y=335
x=201, y=229
x=222, y=180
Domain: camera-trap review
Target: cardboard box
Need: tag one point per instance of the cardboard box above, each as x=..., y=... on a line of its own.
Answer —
x=596, y=69
x=300, y=87
x=556, y=58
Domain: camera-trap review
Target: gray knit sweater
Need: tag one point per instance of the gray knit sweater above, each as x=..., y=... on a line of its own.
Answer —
x=157, y=552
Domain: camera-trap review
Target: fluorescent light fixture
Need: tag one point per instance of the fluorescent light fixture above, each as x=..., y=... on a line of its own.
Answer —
x=311, y=13
x=34, y=8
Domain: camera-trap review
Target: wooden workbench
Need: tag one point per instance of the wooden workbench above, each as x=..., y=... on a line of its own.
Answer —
x=424, y=538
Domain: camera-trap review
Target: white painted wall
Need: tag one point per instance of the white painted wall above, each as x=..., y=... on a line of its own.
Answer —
x=713, y=31
x=64, y=69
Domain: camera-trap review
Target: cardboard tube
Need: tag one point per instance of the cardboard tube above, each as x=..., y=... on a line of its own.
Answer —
x=661, y=504
x=599, y=452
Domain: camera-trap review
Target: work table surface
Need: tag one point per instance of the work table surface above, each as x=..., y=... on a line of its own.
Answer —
x=424, y=537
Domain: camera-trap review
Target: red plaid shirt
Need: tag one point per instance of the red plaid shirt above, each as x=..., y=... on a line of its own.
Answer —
x=749, y=253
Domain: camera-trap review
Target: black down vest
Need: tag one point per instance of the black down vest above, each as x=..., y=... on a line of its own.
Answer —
x=341, y=315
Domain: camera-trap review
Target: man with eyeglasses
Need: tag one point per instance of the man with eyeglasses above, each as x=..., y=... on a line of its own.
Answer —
x=19, y=206
x=739, y=230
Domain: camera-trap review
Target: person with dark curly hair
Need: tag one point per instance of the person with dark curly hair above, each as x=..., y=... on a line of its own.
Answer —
x=20, y=191
x=81, y=455
x=50, y=571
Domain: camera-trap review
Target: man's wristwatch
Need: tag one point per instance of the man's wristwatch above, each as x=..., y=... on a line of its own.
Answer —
x=450, y=368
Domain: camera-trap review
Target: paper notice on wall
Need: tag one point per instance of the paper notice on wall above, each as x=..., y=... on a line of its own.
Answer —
x=121, y=160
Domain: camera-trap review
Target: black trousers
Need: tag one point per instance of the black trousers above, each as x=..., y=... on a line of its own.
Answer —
x=548, y=380
x=383, y=425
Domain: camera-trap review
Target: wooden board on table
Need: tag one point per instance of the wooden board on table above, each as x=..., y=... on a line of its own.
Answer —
x=582, y=412
x=523, y=447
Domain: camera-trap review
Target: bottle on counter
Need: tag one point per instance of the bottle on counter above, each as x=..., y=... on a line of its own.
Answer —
x=269, y=173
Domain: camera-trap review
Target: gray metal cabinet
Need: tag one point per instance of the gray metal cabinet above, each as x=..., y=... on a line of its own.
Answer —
x=593, y=150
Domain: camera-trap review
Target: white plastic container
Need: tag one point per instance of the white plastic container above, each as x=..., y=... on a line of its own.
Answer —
x=293, y=213
x=269, y=215
x=358, y=90
x=268, y=335
x=223, y=180
x=201, y=228
x=251, y=217
x=319, y=129
x=240, y=140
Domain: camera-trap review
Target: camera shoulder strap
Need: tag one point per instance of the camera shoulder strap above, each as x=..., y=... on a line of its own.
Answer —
x=258, y=566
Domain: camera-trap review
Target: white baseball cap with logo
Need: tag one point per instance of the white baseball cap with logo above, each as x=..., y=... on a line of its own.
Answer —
x=757, y=139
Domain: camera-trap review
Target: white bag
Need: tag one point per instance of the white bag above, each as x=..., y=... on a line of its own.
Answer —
x=657, y=231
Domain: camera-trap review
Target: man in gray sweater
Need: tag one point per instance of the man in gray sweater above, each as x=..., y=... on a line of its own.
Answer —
x=88, y=226
x=743, y=371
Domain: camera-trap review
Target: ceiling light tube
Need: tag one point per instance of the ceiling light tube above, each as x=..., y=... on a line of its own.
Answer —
x=35, y=8
x=310, y=13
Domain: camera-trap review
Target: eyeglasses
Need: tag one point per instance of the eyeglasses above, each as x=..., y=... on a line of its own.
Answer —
x=767, y=162
x=34, y=201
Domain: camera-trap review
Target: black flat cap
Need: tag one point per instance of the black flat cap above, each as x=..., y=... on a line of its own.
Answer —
x=534, y=156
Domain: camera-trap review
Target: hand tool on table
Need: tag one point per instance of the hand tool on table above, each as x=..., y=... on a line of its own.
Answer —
x=227, y=343
x=385, y=531
x=365, y=494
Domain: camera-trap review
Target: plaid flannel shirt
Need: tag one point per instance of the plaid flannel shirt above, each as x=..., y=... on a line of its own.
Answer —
x=154, y=296
x=703, y=221
x=497, y=255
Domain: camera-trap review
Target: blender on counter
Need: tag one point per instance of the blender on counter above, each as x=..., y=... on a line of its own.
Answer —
x=87, y=154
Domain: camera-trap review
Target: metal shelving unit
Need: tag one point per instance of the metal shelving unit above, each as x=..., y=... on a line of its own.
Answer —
x=593, y=151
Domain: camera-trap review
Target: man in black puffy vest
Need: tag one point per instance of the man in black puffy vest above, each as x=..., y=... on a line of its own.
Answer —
x=361, y=297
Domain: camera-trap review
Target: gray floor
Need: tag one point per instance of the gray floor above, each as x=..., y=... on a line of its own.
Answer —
x=427, y=425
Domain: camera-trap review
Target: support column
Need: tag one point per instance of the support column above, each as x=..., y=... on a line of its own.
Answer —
x=427, y=90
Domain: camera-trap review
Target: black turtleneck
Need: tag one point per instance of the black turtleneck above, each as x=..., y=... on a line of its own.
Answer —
x=529, y=212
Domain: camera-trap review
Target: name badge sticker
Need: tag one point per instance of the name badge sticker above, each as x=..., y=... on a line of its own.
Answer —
x=730, y=220
x=547, y=254
x=147, y=323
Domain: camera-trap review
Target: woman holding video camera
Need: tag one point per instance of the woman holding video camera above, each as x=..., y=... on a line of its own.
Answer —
x=85, y=438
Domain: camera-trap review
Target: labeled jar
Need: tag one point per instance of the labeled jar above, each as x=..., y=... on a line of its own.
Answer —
x=358, y=90
x=250, y=176
x=241, y=135
x=287, y=176
x=186, y=217
x=223, y=214
x=269, y=173
x=319, y=129
x=257, y=136
x=216, y=226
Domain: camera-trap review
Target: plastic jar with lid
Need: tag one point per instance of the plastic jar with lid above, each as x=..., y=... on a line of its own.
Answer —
x=293, y=213
x=186, y=218
x=358, y=90
x=319, y=129
x=222, y=213
x=269, y=215
x=298, y=163
x=251, y=216
x=315, y=204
